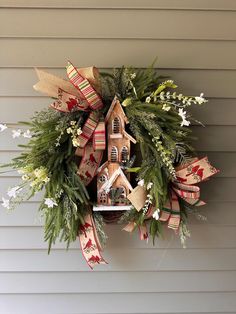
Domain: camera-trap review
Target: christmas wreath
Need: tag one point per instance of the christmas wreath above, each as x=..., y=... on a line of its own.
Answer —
x=82, y=154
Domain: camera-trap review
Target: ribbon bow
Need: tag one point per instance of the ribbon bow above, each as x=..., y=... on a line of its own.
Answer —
x=184, y=187
x=81, y=92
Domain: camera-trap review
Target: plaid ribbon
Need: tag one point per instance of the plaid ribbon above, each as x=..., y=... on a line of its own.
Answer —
x=93, y=126
x=197, y=171
x=143, y=232
x=79, y=94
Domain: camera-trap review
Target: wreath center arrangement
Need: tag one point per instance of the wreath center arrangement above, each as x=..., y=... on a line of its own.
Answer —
x=112, y=147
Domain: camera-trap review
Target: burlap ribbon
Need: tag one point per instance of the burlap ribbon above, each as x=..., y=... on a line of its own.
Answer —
x=81, y=92
x=142, y=229
x=184, y=187
x=89, y=242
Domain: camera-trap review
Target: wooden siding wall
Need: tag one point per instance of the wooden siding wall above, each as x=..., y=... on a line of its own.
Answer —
x=195, y=42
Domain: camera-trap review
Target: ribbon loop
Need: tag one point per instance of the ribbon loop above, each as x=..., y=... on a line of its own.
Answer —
x=171, y=212
x=84, y=87
x=67, y=102
x=99, y=138
x=79, y=94
x=90, y=162
x=88, y=129
x=196, y=171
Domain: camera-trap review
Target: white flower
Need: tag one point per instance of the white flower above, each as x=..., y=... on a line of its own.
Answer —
x=156, y=214
x=75, y=142
x=133, y=76
x=13, y=191
x=73, y=122
x=5, y=203
x=3, y=127
x=141, y=182
x=149, y=186
x=16, y=133
x=50, y=202
x=46, y=179
x=25, y=177
x=79, y=131
x=185, y=123
x=162, y=96
x=182, y=114
x=27, y=134
x=148, y=99
x=69, y=130
x=166, y=107
x=200, y=99
x=180, y=96
x=41, y=174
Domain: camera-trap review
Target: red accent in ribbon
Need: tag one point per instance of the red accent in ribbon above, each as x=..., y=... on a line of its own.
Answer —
x=93, y=130
x=85, y=88
x=89, y=242
x=66, y=102
x=143, y=233
x=197, y=171
x=79, y=94
x=90, y=162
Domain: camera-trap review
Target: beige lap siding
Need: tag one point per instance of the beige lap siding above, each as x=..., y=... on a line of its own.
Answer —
x=195, y=42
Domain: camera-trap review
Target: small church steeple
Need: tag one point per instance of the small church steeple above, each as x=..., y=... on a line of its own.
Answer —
x=118, y=139
x=111, y=179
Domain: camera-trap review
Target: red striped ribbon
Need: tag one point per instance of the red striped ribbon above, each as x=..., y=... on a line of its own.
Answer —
x=83, y=85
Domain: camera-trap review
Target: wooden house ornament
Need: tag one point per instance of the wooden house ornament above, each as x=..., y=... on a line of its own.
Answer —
x=111, y=180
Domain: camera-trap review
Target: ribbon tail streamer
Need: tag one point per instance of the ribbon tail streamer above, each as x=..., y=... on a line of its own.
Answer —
x=89, y=243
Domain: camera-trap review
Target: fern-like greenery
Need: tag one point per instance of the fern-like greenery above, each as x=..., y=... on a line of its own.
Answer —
x=48, y=162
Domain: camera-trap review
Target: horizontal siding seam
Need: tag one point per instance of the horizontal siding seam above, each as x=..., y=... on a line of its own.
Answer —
x=46, y=68
x=51, y=37
x=128, y=8
x=116, y=293
x=108, y=271
x=126, y=248
x=204, y=224
x=115, y=38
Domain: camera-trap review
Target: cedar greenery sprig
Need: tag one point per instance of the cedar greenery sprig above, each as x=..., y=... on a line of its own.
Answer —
x=48, y=164
x=51, y=146
x=158, y=125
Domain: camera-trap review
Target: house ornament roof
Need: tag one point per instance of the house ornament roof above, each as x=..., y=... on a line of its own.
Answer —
x=108, y=184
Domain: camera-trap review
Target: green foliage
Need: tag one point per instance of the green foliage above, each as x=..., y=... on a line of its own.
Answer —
x=157, y=121
x=158, y=125
x=51, y=146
